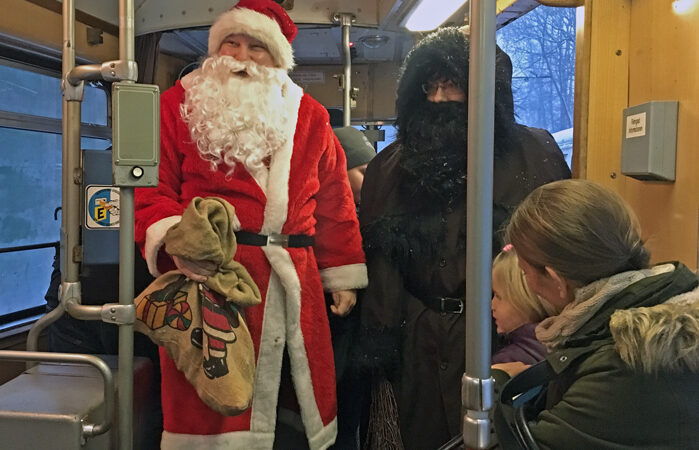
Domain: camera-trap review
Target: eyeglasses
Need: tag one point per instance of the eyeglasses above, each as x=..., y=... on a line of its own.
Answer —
x=448, y=87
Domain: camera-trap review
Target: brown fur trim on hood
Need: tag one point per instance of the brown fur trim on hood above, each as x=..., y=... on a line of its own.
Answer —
x=660, y=338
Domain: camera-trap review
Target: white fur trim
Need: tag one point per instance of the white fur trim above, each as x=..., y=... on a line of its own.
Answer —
x=283, y=307
x=277, y=188
x=256, y=25
x=248, y=440
x=261, y=176
x=155, y=238
x=319, y=436
x=325, y=438
x=234, y=440
x=235, y=223
x=269, y=360
x=342, y=278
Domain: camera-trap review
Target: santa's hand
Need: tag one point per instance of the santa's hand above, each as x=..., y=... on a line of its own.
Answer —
x=195, y=270
x=343, y=302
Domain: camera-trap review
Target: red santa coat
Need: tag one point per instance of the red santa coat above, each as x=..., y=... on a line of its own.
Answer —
x=305, y=192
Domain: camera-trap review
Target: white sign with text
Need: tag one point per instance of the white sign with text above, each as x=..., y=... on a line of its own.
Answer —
x=636, y=125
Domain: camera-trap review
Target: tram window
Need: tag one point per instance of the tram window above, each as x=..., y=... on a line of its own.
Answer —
x=38, y=94
x=95, y=144
x=541, y=45
x=30, y=180
x=94, y=107
x=25, y=278
x=390, y=136
x=22, y=91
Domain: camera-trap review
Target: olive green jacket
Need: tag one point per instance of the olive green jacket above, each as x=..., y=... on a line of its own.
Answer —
x=629, y=378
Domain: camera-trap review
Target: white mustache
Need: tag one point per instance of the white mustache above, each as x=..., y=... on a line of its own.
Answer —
x=223, y=67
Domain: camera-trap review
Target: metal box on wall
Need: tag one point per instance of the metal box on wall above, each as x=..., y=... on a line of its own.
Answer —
x=136, y=134
x=649, y=141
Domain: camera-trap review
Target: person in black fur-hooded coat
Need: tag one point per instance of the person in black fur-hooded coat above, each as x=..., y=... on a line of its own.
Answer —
x=413, y=220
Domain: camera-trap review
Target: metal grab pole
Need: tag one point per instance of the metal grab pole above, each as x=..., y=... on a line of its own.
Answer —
x=126, y=255
x=477, y=388
x=70, y=249
x=126, y=296
x=347, y=92
x=346, y=19
x=72, y=98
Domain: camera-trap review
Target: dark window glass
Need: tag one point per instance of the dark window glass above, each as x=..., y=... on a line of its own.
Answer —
x=27, y=92
x=30, y=187
x=30, y=181
x=38, y=94
x=95, y=144
x=94, y=107
x=25, y=278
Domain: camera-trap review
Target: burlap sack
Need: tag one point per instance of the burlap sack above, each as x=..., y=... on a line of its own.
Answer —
x=200, y=325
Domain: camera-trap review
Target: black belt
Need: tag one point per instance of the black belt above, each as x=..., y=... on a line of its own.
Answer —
x=449, y=305
x=283, y=240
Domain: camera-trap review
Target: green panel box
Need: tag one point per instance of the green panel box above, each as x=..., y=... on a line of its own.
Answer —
x=136, y=134
x=649, y=141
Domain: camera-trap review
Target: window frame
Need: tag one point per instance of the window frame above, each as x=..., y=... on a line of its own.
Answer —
x=44, y=61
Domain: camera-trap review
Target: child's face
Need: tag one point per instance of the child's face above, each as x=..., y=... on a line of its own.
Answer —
x=507, y=318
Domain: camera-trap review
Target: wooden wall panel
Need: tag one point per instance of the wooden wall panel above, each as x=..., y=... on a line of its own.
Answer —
x=663, y=66
x=608, y=88
x=641, y=51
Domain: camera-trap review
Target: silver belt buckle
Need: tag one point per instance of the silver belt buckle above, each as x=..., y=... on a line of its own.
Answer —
x=278, y=239
x=443, y=304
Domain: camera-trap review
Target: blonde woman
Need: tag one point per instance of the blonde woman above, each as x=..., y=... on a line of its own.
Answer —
x=517, y=312
x=623, y=362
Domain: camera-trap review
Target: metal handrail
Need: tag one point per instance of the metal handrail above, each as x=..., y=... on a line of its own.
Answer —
x=454, y=443
x=346, y=20
x=21, y=248
x=88, y=429
x=126, y=70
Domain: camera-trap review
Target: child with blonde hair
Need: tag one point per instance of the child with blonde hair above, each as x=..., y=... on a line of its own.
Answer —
x=516, y=311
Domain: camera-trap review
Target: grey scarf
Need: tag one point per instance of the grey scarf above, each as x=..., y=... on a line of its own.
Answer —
x=555, y=331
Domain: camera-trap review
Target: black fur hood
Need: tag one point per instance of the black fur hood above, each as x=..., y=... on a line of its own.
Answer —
x=444, y=54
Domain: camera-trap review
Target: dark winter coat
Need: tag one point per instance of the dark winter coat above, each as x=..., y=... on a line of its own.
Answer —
x=521, y=345
x=632, y=380
x=419, y=349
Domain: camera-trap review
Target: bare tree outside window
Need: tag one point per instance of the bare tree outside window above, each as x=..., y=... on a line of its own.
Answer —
x=542, y=47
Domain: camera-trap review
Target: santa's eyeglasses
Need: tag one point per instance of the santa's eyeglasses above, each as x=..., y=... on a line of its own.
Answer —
x=447, y=86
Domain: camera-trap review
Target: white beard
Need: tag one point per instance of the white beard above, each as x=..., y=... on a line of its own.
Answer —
x=234, y=118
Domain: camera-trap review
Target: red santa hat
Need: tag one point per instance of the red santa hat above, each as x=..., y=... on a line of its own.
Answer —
x=264, y=20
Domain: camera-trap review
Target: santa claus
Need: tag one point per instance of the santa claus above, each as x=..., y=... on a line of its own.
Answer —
x=238, y=128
